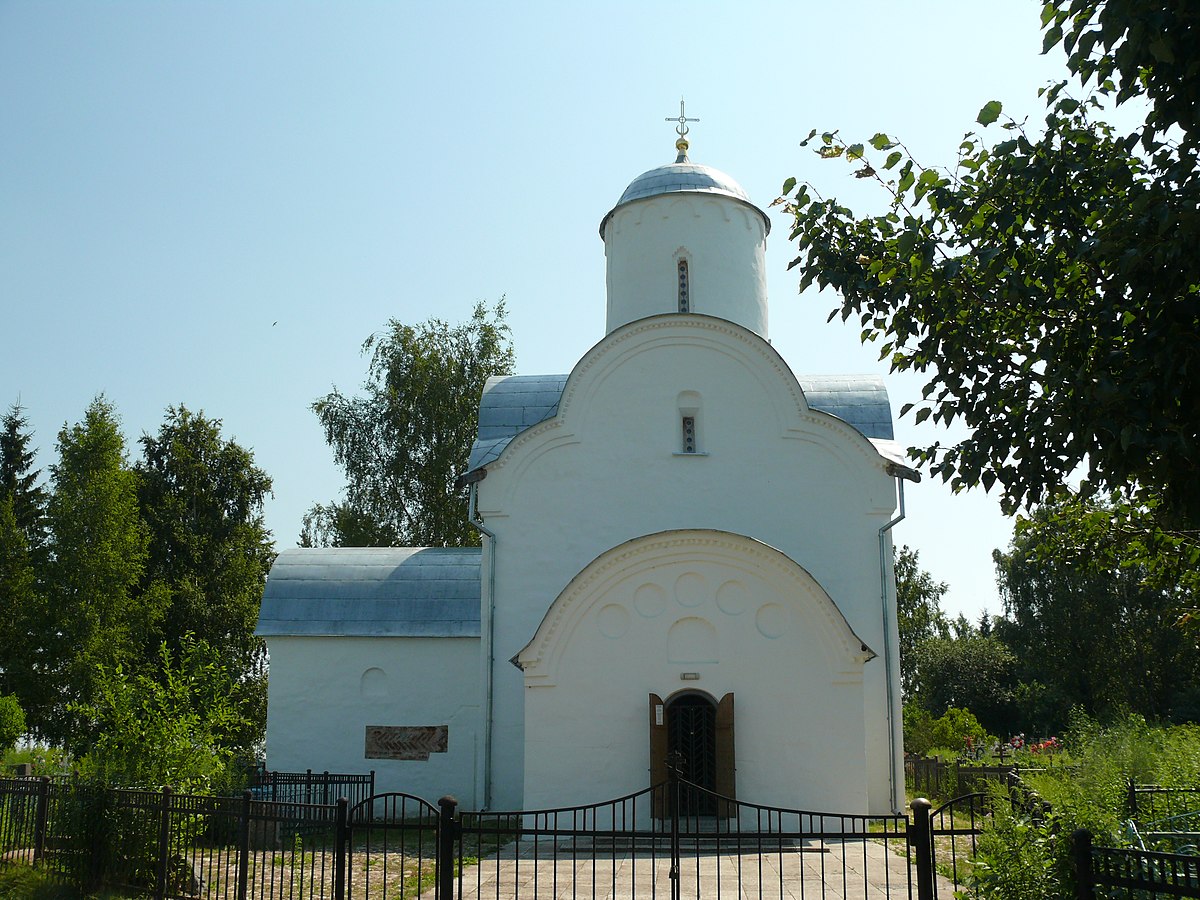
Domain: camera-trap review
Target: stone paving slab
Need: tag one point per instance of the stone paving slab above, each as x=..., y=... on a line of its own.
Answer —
x=834, y=870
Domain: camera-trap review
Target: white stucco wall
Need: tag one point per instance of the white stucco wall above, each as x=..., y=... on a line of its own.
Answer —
x=326, y=690
x=608, y=469
x=734, y=616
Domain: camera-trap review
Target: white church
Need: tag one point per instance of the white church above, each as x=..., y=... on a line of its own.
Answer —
x=685, y=547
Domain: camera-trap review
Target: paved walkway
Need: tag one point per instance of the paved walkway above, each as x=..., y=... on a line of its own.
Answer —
x=854, y=870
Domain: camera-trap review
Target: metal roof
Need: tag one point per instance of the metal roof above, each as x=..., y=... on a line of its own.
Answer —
x=683, y=176
x=859, y=400
x=510, y=404
x=372, y=592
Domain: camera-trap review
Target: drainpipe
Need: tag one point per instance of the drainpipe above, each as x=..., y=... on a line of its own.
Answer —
x=887, y=642
x=486, y=633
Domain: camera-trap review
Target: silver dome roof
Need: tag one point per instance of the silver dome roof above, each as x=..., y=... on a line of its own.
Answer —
x=683, y=176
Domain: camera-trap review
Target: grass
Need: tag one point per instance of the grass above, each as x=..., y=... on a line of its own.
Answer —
x=25, y=883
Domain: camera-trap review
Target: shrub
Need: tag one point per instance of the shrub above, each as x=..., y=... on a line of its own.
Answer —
x=1016, y=854
x=918, y=729
x=166, y=728
x=12, y=722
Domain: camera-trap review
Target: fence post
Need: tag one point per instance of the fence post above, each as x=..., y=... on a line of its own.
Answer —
x=164, y=844
x=243, y=875
x=920, y=837
x=43, y=812
x=1081, y=859
x=445, y=848
x=674, y=763
x=341, y=843
x=308, y=785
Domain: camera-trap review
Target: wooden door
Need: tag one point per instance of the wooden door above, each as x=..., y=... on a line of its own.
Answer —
x=726, y=767
x=658, y=753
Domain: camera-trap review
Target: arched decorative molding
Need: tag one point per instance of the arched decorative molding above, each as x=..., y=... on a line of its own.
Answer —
x=626, y=566
x=796, y=420
x=373, y=684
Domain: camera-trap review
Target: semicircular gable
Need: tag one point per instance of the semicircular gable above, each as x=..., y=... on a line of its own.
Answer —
x=795, y=418
x=757, y=585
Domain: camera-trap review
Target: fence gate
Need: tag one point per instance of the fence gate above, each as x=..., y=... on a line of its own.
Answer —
x=654, y=843
x=393, y=849
x=954, y=829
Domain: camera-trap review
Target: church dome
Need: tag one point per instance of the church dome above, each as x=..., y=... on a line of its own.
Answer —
x=683, y=176
x=686, y=238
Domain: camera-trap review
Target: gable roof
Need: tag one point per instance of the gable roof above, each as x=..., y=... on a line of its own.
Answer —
x=372, y=592
x=512, y=403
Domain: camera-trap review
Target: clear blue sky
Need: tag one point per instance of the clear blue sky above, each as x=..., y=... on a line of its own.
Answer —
x=215, y=203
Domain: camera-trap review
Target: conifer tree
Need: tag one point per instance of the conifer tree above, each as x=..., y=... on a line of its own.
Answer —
x=18, y=478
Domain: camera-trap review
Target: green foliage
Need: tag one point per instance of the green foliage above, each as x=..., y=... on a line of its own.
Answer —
x=1020, y=856
x=45, y=760
x=919, y=614
x=1017, y=858
x=919, y=736
x=951, y=730
x=98, y=544
x=1092, y=794
x=1145, y=49
x=405, y=441
x=24, y=618
x=131, y=557
x=209, y=551
x=969, y=670
x=12, y=721
x=171, y=727
x=18, y=478
x=1007, y=282
x=958, y=728
x=1091, y=627
x=1047, y=284
x=27, y=883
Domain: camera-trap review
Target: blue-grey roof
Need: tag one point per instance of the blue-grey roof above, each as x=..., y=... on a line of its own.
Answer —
x=511, y=404
x=372, y=592
x=858, y=400
x=683, y=176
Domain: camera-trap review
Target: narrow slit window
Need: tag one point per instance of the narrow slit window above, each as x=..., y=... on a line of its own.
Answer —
x=689, y=434
x=685, y=303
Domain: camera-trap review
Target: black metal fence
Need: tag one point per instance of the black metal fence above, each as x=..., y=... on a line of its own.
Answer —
x=1147, y=803
x=390, y=846
x=933, y=777
x=1131, y=873
x=311, y=787
x=644, y=845
x=162, y=844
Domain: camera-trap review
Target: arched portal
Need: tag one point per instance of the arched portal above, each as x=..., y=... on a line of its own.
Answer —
x=697, y=731
x=692, y=741
x=719, y=613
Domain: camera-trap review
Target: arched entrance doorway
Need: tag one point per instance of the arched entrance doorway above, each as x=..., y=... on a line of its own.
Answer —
x=692, y=741
x=700, y=729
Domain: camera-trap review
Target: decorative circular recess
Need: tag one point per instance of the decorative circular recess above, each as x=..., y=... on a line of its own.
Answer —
x=649, y=600
x=733, y=598
x=613, y=620
x=771, y=620
x=691, y=589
